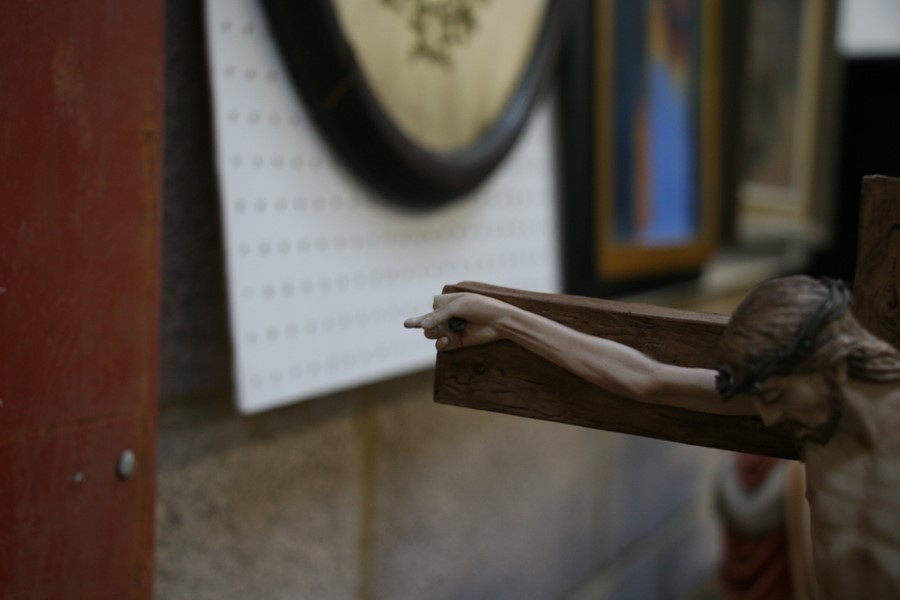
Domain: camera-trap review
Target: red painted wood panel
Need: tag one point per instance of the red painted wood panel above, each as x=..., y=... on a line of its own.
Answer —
x=80, y=155
x=71, y=527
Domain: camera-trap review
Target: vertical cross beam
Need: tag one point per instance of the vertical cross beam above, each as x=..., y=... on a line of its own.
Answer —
x=503, y=377
x=876, y=288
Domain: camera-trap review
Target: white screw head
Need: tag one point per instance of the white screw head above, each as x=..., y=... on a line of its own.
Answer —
x=125, y=468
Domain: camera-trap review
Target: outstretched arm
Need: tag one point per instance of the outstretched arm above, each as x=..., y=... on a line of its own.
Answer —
x=607, y=364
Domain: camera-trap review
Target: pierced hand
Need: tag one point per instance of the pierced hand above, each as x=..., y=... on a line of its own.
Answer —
x=457, y=325
x=461, y=320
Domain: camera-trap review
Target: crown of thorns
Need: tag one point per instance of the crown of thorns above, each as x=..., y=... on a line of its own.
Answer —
x=782, y=359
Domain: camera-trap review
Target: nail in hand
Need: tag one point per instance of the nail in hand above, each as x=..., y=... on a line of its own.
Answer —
x=457, y=325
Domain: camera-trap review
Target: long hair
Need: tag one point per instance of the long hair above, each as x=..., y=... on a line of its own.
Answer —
x=775, y=317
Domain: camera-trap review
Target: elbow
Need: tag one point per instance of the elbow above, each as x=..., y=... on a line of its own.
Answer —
x=647, y=388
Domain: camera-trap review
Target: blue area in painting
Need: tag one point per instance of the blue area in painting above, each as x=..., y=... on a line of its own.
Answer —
x=655, y=132
x=628, y=56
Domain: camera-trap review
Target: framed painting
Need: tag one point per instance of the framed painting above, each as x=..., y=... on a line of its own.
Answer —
x=642, y=130
x=786, y=121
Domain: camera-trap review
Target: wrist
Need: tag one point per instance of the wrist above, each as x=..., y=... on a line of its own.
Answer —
x=509, y=322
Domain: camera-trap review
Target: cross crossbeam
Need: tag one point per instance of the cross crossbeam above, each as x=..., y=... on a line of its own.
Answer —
x=503, y=377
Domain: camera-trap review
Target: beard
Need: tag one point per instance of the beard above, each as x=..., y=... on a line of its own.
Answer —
x=821, y=434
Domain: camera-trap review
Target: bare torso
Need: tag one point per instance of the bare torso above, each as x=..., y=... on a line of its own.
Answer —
x=853, y=487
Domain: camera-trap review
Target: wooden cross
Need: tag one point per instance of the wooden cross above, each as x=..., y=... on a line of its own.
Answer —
x=503, y=377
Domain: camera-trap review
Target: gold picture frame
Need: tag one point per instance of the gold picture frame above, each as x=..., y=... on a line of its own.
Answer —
x=644, y=209
x=785, y=141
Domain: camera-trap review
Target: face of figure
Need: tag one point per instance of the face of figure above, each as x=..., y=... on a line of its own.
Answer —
x=809, y=402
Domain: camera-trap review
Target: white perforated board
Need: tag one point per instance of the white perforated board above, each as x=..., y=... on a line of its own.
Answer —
x=322, y=272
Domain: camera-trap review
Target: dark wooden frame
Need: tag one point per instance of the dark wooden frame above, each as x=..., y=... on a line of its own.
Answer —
x=594, y=264
x=326, y=73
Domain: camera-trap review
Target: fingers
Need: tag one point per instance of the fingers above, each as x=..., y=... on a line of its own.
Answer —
x=443, y=323
x=414, y=322
x=442, y=312
x=428, y=321
x=433, y=333
x=443, y=338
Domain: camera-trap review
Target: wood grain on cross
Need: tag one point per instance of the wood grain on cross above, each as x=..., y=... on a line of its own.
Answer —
x=503, y=377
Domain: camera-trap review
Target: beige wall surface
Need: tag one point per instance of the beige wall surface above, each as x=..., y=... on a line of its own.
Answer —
x=379, y=492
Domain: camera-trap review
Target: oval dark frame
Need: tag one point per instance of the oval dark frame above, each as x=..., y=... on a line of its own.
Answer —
x=325, y=71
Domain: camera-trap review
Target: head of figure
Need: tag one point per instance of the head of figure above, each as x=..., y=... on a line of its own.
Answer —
x=791, y=345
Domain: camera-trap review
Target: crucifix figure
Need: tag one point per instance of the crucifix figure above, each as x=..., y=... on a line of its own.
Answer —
x=793, y=373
